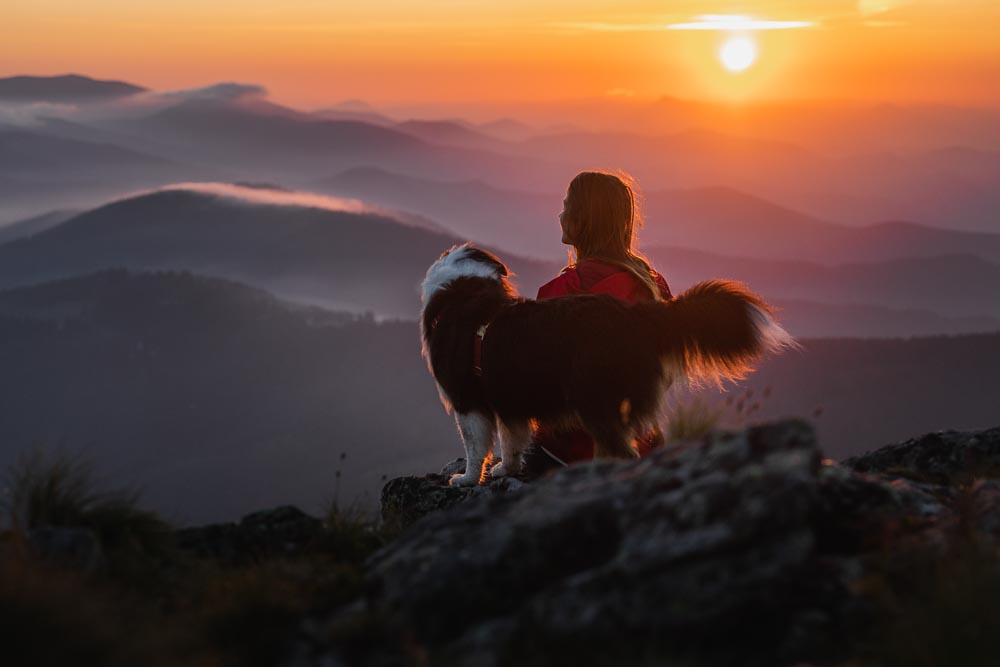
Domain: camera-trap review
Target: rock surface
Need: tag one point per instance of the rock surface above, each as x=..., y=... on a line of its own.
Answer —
x=945, y=457
x=280, y=530
x=743, y=548
x=407, y=499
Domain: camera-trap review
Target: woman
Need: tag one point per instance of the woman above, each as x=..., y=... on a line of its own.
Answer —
x=599, y=218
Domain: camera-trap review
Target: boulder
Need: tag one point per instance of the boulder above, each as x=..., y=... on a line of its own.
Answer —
x=944, y=457
x=743, y=548
x=406, y=499
x=282, y=530
x=739, y=536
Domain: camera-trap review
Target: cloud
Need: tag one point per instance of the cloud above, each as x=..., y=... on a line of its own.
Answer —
x=883, y=24
x=274, y=197
x=270, y=196
x=720, y=22
x=32, y=114
x=611, y=27
x=736, y=22
x=220, y=92
x=35, y=113
x=869, y=7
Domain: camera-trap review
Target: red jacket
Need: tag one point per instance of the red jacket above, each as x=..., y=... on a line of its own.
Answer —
x=591, y=276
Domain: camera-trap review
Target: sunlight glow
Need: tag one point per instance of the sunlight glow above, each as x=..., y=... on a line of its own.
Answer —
x=738, y=53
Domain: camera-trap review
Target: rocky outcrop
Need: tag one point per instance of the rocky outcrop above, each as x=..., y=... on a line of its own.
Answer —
x=945, y=457
x=282, y=530
x=406, y=499
x=743, y=548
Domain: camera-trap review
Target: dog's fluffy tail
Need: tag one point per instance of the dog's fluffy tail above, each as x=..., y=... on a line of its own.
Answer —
x=715, y=331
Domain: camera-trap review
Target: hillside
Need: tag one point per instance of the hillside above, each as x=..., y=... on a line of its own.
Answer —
x=214, y=397
x=815, y=320
x=947, y=185
x=33, y=225
x=24, y=153
x=954, y=190
x=291, y=146
x=866, y=392
x=40, y=170
x=219, y=398
x=949, y=285
x=347, y=259
x=347, y=254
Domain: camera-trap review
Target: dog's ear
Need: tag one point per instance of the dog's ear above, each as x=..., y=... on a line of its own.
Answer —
x=488, y=258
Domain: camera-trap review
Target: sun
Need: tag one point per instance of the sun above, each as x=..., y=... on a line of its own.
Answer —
x=738, y=53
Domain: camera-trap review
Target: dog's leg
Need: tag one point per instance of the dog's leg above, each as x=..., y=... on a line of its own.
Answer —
x=477, y=434
x=515, y=436
x=656, y=437
x=612, y=439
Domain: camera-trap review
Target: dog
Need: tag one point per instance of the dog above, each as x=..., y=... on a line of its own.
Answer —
x=503, y=363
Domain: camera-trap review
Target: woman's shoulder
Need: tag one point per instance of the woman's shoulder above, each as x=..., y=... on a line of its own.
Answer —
x=578, y=278
x=620, y=282
x=594, y=276
x=567, y=282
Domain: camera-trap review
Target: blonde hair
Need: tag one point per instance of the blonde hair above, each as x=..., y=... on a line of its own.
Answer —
x=604, y=208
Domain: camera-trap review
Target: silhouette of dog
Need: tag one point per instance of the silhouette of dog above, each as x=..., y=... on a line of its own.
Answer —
x=502, y=361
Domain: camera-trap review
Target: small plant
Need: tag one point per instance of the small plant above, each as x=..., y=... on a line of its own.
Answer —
x=337, y=476
x=693, y=420
x=936, y=610
x=701, y=414
x=59, y=490
x=48, y=490
x=350, y=533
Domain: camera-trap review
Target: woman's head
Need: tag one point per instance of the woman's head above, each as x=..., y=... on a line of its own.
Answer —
x=600, y=214
x=599, y=218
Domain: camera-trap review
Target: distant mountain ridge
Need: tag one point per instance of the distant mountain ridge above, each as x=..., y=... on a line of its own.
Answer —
x=33, y=225
x=951, y=285
x=362, y=259
x=38, y=167
x=65, y=88
x=718, y=220
x=212, y=396
x=347, y=260
x=945, y=185
x=813, y=319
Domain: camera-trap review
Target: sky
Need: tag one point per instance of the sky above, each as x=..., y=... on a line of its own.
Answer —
x=309, y=53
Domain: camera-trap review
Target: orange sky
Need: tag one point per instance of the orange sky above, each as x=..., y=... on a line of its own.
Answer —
x=312, y=52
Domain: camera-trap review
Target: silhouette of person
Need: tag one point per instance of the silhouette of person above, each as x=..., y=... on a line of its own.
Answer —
x=599, y=218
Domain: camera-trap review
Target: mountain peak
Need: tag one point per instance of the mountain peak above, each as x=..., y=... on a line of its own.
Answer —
x=65, y=88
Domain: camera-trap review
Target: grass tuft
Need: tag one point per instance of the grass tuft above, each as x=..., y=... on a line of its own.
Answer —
x=693, y=420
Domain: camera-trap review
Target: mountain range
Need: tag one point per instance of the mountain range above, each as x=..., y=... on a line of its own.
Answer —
x=350, y=255
x=348, y=259
x=938, y=182
x=712, y=219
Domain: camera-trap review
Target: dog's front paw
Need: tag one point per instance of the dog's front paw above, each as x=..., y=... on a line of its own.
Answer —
x=499, y=470
x=464, y=480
